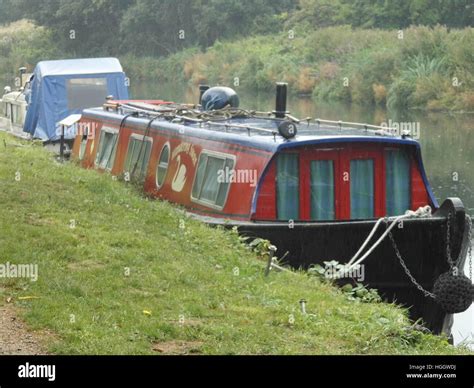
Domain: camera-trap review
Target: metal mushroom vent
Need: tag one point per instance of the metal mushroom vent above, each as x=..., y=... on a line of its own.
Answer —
x=454, y=293
x=287, y=129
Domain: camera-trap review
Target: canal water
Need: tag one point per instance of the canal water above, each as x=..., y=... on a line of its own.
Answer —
x=447, y=142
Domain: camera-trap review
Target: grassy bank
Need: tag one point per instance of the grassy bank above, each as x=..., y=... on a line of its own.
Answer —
x=420, y=67
x=122, y=274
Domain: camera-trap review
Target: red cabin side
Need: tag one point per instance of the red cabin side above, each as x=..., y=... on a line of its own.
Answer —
x=184, y=157
x=341, y=155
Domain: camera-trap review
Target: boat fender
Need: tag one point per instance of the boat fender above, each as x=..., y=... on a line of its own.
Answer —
x=453, y=292
x=219, y=97
x=287, y=129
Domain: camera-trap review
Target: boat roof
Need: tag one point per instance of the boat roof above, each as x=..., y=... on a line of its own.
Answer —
x=78, y=67
x=255, y=132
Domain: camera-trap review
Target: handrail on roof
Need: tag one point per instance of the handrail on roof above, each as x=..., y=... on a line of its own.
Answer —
x=377, y=129
x=342, y=123
x=207, y=122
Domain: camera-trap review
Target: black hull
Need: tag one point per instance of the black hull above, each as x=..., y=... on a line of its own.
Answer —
x=421, y=241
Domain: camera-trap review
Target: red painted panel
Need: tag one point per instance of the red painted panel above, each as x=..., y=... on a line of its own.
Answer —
x=266, y=202
x=308, y=155
x=419, y=194
x=184, y=157
x=365, y=151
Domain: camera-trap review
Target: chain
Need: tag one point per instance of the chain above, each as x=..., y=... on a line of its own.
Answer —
x=404, y=266
x=469, y=250
x=448, y=242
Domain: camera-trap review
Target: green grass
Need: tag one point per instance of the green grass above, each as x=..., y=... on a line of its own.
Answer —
x=194, y=285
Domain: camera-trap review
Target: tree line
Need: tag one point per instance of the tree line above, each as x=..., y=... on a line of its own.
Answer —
x=163, y=27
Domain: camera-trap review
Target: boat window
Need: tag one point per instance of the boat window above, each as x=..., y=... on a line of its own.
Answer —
x=362, y=188
x=287, y=186
x=398, y=185
x=82, y=150
x=322, y=189
x=107, y=147
x=162, y=167
x=138, y=155
x=207, y=187
x=86, y=92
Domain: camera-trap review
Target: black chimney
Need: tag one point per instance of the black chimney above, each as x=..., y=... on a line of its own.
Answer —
x=202, y=89
x=280, y=104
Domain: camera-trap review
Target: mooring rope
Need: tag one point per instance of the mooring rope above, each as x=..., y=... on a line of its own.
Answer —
x=424, y=211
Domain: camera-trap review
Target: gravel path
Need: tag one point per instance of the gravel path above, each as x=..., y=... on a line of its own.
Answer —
x=15, y=338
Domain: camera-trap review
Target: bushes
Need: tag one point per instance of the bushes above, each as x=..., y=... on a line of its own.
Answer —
x=427, y=68
x=23, y=44
x=399, y=94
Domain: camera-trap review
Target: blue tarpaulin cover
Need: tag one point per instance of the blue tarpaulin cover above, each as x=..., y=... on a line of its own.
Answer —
x=65, y=87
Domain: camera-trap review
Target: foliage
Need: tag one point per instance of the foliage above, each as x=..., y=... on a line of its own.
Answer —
x=361, y=293
x=429, y=68
x=384, y=14
x=157, y=28
x=23, y=44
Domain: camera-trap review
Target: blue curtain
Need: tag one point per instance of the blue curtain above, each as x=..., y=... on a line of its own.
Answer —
x=322, y=190
x=397, y=182
x=362, y=188
x=288, y=187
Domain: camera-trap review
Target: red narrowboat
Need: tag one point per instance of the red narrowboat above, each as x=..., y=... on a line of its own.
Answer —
x=318, y=190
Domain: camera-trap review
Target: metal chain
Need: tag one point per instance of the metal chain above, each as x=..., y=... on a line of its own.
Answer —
x=404, y=266
x=469, y=250
x=448, y=242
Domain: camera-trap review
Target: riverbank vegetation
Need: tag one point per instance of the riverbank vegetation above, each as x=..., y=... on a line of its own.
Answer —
x=415, y=54
x=23, y=44
x=418, y=67
x=121, y=274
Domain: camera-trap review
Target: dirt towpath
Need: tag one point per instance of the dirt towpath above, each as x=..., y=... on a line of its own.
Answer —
x=15, y=338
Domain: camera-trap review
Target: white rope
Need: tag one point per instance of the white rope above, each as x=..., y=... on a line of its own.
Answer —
x=369, y=237
x=354, y=262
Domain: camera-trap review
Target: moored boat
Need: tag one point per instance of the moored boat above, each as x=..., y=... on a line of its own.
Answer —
x=55, y=90
x=319, y=190
x=13, y=106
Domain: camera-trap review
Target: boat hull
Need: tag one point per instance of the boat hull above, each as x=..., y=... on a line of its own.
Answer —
x=421, y=242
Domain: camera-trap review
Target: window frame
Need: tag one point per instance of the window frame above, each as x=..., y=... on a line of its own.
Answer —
x=377, y=155
x=140, y=138
x=341, y=155
x=219, y=155
x=409, y=172
x=307, y=156
x=73, y=85
x=300, y=185
x=167, y=144
x=115, y=133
